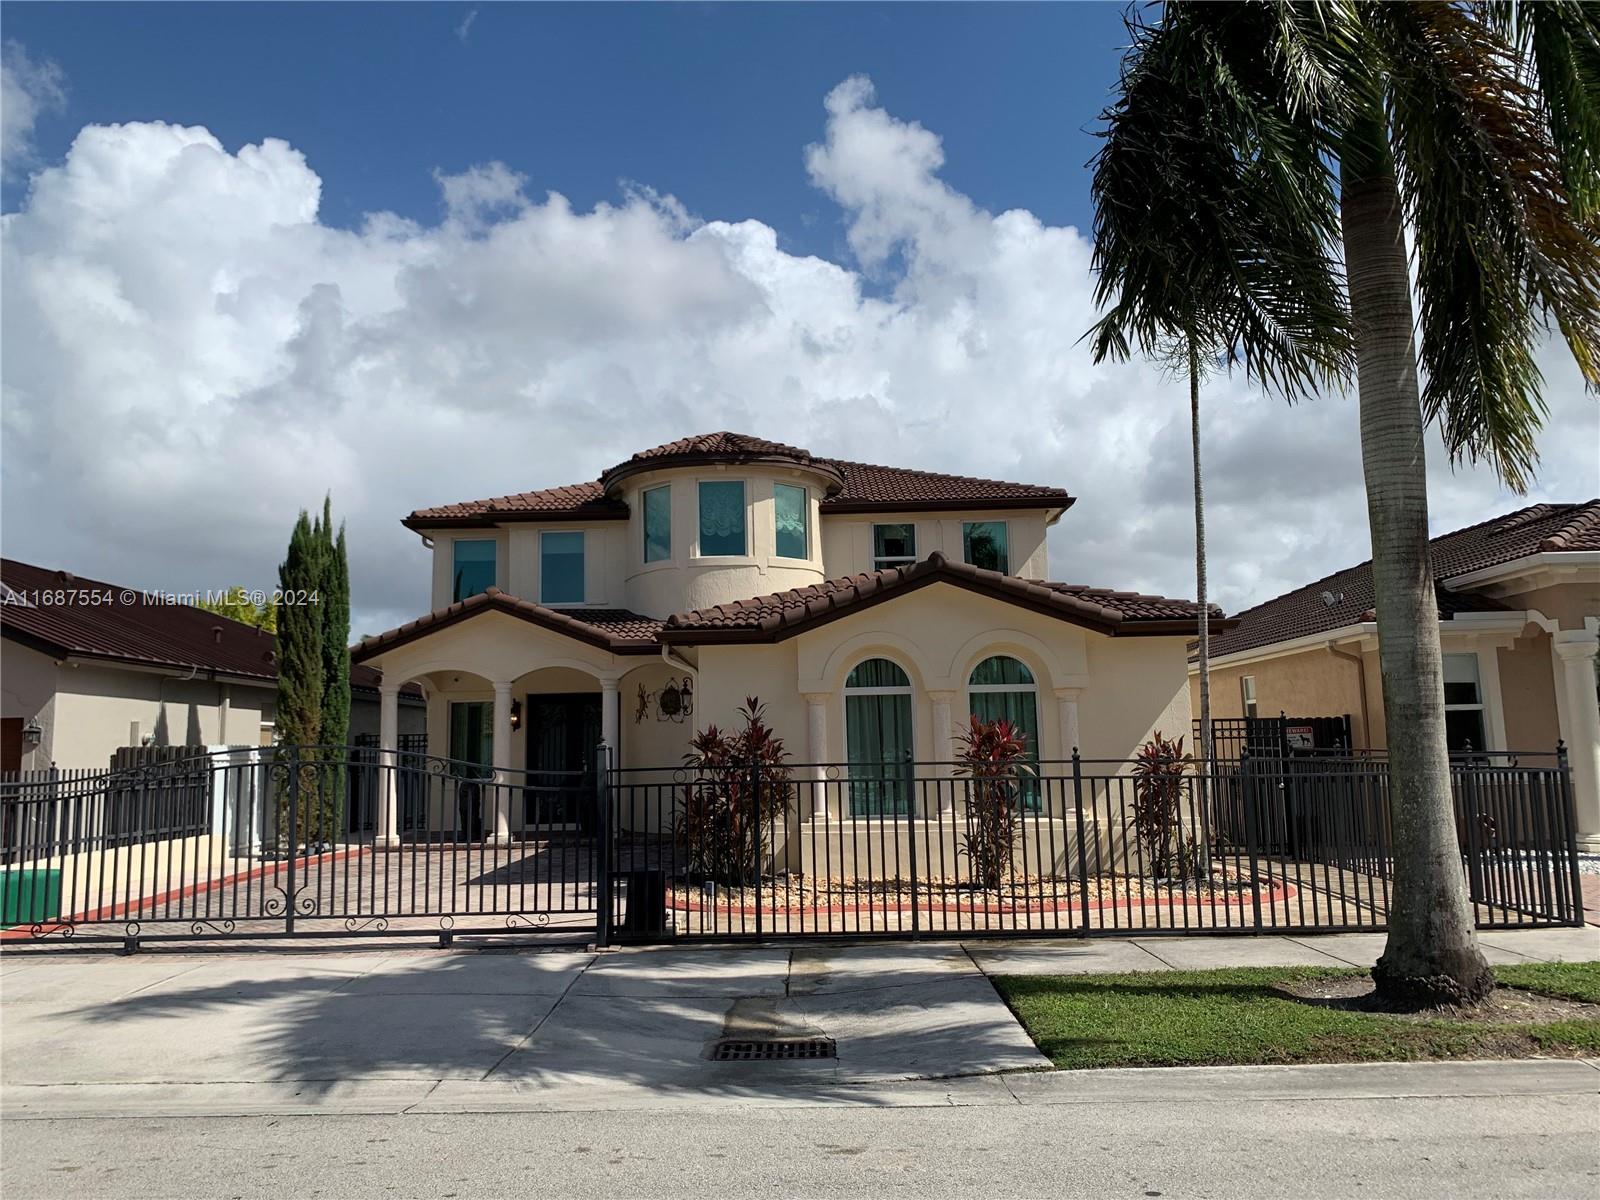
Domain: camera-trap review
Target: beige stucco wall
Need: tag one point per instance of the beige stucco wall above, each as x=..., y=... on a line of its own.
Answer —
x=28, y=691
x=100, y=709
x=1527, y=689
x=1312, y=683
x=1570, y=603
x=847, y=540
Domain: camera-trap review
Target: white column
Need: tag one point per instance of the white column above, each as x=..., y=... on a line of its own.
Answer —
x=610, y=720
x=1579, y=717
x=944, y=747
x=388, y=763
x=1067, y=704
x=817, y=752
x=502, y=763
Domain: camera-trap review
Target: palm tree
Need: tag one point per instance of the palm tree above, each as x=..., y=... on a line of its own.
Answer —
x=1262, y=165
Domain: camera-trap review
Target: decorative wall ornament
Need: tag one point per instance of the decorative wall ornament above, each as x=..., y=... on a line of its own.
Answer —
x=672, y=701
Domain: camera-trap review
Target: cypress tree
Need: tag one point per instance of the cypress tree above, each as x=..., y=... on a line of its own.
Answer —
x=335, y=612
x=300, y=670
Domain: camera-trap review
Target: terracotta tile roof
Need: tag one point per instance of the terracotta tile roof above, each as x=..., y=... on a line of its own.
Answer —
x=861, y=487
x=613, y=629
x=871, y=488
x=770, y=618
x=1346, y=597
x=139, y=630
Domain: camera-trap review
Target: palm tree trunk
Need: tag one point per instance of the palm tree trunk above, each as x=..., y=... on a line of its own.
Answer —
x=1432, y=955
x=1200, y=555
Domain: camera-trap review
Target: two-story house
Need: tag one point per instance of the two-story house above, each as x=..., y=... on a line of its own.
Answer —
x=870, y=608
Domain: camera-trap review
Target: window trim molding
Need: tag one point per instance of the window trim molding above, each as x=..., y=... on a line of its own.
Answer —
x=695, y=556
x=805, y=510
x=1482, y=707
x=493, y=543
x=1004, y=523
x=1247, y=697
x=885, y=563
x=584, y=556
x=644, y=526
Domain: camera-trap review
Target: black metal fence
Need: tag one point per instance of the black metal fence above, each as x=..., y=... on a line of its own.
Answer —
x=330, y=842
x=259, y=843
x=1266, y=844
x=1281, y=736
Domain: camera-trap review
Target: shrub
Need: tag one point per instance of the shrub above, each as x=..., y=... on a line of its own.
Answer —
x=739, y=788
x=994, y=755
x=1158, y=773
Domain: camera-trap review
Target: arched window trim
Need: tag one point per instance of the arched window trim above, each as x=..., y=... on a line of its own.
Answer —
x=897, y=689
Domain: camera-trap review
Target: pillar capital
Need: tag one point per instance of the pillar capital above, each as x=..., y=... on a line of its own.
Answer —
x=1576, y=644
x=941, y=696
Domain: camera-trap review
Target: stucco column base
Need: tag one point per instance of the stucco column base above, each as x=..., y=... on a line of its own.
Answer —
x=385, y=842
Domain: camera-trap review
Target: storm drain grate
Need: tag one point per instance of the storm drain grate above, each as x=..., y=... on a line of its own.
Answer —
x=768, y=1049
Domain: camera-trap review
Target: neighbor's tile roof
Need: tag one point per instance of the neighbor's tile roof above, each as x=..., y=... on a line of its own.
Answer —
x=1305, y=611
x=613, y=629
x=864, y=487
x=784, y=613
x=137, y=630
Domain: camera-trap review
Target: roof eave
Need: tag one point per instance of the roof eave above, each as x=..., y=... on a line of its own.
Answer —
x=1061, y=501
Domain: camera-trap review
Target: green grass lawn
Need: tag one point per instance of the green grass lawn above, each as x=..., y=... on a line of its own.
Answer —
x=1182, y=1018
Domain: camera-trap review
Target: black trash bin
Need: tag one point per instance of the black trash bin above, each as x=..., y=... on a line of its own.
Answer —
x=646, y=911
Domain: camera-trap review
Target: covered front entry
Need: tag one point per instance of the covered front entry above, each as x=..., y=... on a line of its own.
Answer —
x=563, y=733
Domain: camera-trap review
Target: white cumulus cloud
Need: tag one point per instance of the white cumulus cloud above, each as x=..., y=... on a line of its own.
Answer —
x=190, y=355
x=28, y=87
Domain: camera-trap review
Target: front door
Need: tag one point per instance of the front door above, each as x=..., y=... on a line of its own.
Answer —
x=563, y=741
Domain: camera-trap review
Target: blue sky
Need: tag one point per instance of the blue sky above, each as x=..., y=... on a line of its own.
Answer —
x=712, y=103
x=875, y=247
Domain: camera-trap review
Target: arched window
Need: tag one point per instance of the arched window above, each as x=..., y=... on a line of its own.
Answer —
x=1003, y=688
x=877, y=722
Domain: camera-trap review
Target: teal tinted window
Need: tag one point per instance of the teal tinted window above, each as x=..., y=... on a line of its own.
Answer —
x=983, y=544
x=722, y=518
x=561, y=568
x=472, y=733
x=790, y=505
x=473, y=567
x=877, y=720
x=893, y=546
x=1003, y=689
x=657, y=524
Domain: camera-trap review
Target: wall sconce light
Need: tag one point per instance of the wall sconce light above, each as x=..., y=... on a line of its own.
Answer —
x=32, y=735
x=516, y=715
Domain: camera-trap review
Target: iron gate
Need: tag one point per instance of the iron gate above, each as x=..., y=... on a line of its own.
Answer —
x=1075, y=848
x=298, y=841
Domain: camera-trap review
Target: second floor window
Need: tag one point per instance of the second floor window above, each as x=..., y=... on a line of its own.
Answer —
x=473, y=567
x=1247, y=694
x=658, y=524
x=893, y=546
x=790, y=506
x=983, y=544
x=561, y=568
x=722, y=518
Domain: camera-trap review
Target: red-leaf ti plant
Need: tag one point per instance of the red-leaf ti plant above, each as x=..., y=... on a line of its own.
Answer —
x=738, y=789
x=994, y=755
x=1158, y=771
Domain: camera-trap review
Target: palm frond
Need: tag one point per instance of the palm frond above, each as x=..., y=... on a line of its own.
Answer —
x=1498, y=246
x=1216, y=215
x=1558, y=44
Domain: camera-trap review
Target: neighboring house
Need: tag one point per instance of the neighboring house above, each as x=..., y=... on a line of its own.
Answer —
x=81, y=677
x=1519, y=619
x=869, y=608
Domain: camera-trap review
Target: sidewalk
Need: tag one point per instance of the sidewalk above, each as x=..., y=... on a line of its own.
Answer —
x=393, y=1029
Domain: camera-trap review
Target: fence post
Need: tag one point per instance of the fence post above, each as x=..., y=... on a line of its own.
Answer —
x=294, y=836
x=603, y=915
x=1252, y=799
x=1083, y=848
x=756, y=832
x=1569, y=815
x=911, y=838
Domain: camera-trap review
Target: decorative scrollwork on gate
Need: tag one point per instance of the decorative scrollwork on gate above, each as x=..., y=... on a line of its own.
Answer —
x=447, y=922
x=199, y=927
x=527, y=920
x=304, y=902
x=357, y=924
x=41, y=929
